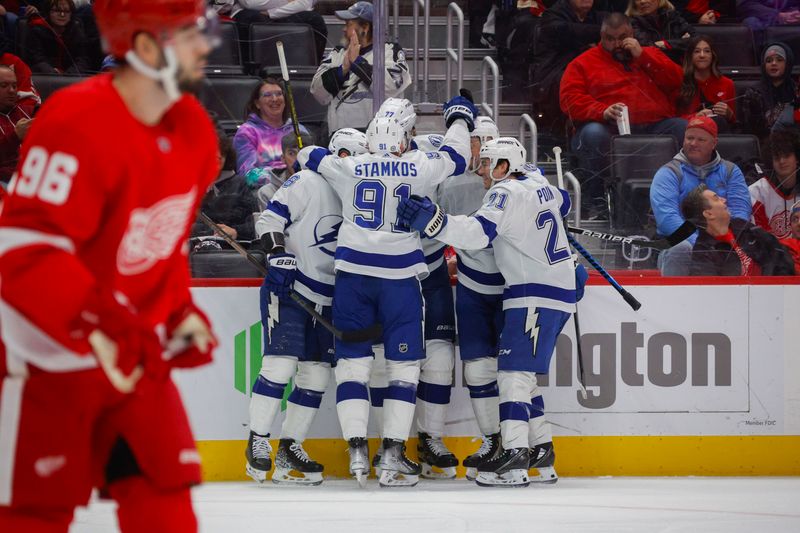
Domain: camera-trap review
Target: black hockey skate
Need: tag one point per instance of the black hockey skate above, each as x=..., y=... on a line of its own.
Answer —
x=507, y=469
x=436, y=460
x=543, y=457
x=359, y=459
x=258, y=451
x=294, y=466
x=397, y=470
x=490, y=447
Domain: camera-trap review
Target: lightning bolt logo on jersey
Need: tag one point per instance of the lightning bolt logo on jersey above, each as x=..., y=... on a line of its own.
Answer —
x=307, y=211
x=326, y=232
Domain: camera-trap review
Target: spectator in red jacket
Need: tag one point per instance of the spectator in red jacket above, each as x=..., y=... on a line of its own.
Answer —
x=29, y=98
x=705, y=91
x=792, y=243
x=14, y=123
x=599, y=83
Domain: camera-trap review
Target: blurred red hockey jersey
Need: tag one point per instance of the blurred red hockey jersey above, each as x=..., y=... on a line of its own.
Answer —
x=107, y=205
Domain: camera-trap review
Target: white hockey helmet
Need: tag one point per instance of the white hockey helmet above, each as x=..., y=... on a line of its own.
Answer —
x=485, y=129
x=385, y=134
x=349, y=139
x=507, y=148
x=401, y=109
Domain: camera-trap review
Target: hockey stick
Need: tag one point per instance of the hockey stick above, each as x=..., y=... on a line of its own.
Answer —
x=581, y=376
x=659, y=244
x=289, y=97
x=359, y=335
x=628, y=297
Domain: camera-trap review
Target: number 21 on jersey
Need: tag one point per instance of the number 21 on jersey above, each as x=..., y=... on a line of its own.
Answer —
x=369, y=197
x=47, y=177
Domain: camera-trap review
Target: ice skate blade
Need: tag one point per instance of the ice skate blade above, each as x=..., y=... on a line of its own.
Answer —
x=287, y=476
x=512, y=478
x=435, y=472
x=392, y=478
x=361, y=477
x=547, y=475
x=472, y=473
x=258, y=475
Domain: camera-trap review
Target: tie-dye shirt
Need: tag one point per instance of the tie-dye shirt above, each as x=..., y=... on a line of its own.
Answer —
x=258, y=148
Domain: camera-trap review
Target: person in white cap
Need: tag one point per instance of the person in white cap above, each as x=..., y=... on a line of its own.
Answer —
x=344, y=79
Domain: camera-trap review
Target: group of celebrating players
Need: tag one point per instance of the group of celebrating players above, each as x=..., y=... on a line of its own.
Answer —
x=517, y=286
x=95, y=306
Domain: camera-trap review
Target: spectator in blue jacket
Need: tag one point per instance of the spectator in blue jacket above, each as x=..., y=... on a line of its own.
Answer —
x=697, y=162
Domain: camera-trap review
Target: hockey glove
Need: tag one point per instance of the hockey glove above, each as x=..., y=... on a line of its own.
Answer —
x=120, y=340
x=191, y=341
x=460, y=107
x=281, y=271
x=422, y=215
x=580, y=281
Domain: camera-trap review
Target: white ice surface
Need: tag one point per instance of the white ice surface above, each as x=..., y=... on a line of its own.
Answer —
x=724, y=505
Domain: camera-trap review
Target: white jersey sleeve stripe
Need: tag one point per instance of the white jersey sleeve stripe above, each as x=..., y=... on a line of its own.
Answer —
x=281, y=210
x=566, y=203
x=315, y=158
x=461, y=164
x=483, y=278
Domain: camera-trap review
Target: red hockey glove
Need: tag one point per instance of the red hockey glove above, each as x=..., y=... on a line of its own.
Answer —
x=191, y=341
x=122, y=343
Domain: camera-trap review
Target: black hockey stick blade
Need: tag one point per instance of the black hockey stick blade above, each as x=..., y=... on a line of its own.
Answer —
x=681, y=234
x=659, y=244
x=373, y=332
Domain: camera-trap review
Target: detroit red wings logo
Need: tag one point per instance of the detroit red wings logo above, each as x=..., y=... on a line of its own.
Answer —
x=153, y=232
x=779, y=224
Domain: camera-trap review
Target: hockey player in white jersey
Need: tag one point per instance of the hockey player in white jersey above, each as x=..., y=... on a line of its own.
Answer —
x=378, y=267
x=298, y=231
x=522, y=220
x=479, y=303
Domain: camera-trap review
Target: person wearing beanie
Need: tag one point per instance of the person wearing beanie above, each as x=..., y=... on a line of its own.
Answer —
x=764, y=105
x=698, y=162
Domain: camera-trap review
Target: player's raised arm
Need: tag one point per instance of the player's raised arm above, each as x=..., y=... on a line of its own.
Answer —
x=452, y=157
x=464, y=232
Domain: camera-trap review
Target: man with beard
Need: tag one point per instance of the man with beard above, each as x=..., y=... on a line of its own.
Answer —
x=93, y=235
x=599, y=83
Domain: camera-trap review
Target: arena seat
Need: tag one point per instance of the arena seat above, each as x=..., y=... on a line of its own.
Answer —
x=789, y=35
x=634, y=161
x=227, y=56
x=738, y=147
x=733, y=42
x=226, y=96
x=298, y=44
x=223, y=264
x=47, y=84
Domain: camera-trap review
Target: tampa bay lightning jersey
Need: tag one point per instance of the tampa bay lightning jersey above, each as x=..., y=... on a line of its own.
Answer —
x=371, y=187
x=307, y=211
x=431, y=248
x=522, y=220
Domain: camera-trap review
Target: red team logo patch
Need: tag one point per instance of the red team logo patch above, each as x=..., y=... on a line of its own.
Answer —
x=153, y=233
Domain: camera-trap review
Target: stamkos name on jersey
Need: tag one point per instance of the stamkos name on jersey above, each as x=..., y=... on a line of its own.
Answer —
x=386, y=168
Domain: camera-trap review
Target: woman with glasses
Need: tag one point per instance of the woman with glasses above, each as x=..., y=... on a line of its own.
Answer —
x=56, y=43
x=258, y=140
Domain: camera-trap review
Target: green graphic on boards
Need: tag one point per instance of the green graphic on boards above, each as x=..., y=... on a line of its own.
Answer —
x=247, y=346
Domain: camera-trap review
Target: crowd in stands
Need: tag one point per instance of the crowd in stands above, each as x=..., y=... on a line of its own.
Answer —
x=586, y=67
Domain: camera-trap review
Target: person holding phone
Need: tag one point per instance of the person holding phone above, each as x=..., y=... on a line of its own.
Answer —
x=596, y=87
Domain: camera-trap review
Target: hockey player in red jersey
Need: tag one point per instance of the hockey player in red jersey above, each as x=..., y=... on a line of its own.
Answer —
x=95, y=308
